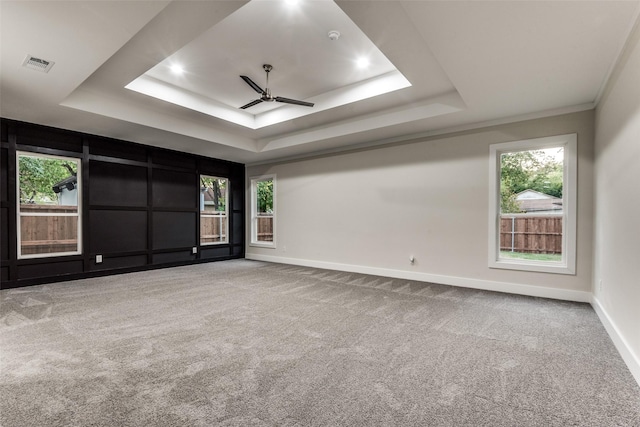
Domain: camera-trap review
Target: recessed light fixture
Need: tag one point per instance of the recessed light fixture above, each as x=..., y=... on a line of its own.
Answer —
x=177, y=69
x=362, y=62
x=292, y=2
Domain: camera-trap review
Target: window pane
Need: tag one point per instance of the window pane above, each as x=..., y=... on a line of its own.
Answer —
x=48, y=210
x=48, y=234
x=531, y=204
x=213, y=229
x=265, y=197
x=48, y=181
x=265, y=229
x=213, y=194
x=264, y=210
x=213, y=210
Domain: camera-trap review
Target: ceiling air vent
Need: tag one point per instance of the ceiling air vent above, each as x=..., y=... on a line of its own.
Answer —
x=37, y=64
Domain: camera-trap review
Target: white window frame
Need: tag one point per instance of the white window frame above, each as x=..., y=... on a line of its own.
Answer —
x=254, y=212
x=567, y=265
x=19, y=214
x=218, y=214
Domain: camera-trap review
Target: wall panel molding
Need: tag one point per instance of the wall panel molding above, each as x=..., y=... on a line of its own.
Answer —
x=140, y=206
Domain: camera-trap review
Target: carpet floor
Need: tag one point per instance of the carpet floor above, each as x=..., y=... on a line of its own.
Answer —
x=246, y=343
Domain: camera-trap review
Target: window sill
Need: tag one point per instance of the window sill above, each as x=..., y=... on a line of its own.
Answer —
x=539, y=267
x=48, y=255
x=267, y=245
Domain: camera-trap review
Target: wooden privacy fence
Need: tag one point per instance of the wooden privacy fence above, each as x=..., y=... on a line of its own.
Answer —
x=265, y=229
x=540, y=234
x=50, y=233
x=213, y=228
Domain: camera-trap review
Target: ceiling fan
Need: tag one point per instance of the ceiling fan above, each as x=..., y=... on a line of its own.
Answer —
x=265, y=95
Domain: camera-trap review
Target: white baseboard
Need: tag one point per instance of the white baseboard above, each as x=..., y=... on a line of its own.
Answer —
x=630, y=358
x=487, y=285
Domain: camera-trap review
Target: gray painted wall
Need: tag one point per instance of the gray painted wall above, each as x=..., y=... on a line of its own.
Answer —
x=617, y=230
x=369, y=210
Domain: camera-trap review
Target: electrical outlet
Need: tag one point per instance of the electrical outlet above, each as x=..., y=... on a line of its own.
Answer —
x=600, y=285
x=194, y=250
x=98, y=259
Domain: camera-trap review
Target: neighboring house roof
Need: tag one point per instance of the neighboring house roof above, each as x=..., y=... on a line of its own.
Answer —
x=533, y=194
x=535, y=201
x=208, y=194
x=69, y=183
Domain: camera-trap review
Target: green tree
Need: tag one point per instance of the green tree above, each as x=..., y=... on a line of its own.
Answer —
x=265, y=196
x=528, y=170
x=508, y=202
x=216, y=188
x=548, y=179
x=39, y=174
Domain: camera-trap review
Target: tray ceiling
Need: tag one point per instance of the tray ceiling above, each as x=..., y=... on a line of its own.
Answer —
x=455, y=65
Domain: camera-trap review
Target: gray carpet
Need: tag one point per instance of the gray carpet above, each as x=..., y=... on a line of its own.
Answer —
x=243, y=343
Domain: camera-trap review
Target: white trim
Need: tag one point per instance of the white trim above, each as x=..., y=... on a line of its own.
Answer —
x=425, y=136
x=253, y=238
x=620, y=52
x=487, y=285
x=630, y=358
x=48, y=214
x=446, y=104
x=78, y=213
x=267, y=245
x=216, y=214
x=568, y=263
x=359, y=91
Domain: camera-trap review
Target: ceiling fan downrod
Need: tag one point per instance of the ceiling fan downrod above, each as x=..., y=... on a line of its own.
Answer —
x=266, y=95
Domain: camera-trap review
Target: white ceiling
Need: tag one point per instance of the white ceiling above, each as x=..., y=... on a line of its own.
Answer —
x=324, y=72
x=468, y=63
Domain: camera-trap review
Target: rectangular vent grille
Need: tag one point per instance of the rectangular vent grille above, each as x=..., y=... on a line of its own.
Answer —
x=37, y=64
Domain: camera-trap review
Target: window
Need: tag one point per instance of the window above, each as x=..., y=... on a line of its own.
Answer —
x=49, y=205
x=263, y=202
x=214, y=210
x=532, y=205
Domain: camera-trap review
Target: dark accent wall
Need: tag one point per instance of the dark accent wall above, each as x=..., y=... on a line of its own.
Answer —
x=140, y=206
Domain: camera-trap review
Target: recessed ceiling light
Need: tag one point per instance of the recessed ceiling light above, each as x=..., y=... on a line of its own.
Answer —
x=177, y=69
x=362, y=62
x=292, y=2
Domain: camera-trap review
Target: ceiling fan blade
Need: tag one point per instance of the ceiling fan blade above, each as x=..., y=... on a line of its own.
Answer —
x=293, y=101
x=252, y=84
x=251, y=104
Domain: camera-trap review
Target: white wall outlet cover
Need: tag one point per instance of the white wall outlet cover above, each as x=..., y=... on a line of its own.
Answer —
x=98, y=259
x=194, y=250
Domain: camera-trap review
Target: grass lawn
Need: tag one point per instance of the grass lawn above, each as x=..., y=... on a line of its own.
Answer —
x=532, y=257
